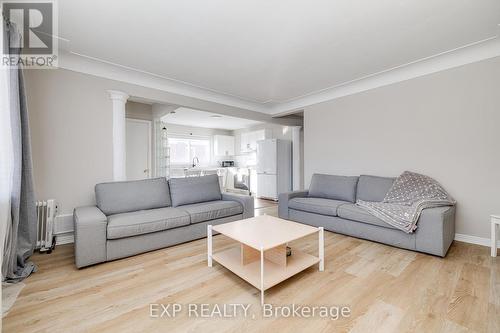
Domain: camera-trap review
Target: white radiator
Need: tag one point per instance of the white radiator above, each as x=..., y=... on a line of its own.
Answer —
x=46, y=211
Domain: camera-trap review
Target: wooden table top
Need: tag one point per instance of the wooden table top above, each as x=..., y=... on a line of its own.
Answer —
x=264, y=231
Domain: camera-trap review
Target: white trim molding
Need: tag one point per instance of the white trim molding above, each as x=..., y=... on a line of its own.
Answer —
x=474, y=240
x=118, y=95
x=98, y=67
x=67, y=237
x=466, y=54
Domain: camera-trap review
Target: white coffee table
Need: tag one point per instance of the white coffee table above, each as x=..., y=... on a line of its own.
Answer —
x=260, y=259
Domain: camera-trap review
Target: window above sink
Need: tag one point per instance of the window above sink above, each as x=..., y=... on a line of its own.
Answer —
x=184, y=149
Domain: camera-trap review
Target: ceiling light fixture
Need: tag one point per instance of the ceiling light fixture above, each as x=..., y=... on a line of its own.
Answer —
x=216, y=116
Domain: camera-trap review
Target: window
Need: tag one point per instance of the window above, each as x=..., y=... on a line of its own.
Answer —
x=183, y=150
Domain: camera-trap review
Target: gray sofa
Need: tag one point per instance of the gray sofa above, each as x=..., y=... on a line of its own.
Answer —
x=132, y=217
x=330, y=203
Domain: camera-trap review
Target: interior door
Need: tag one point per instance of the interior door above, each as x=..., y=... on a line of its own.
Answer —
x=138, y=149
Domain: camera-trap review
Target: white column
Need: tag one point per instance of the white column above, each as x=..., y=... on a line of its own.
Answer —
x=296, y=157
x=119, y=135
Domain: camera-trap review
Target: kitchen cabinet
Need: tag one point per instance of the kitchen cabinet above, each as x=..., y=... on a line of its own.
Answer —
x=223, y=145
x=249, y=140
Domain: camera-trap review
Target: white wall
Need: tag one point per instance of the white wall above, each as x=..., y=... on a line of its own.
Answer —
x=71, y=136
x=445, y=125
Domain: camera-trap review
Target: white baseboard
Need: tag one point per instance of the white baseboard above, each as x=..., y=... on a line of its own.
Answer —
x=474, y=240
x=68, y=237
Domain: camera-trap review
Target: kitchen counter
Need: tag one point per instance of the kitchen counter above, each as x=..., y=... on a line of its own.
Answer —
x=178, y=172
x=227, y=176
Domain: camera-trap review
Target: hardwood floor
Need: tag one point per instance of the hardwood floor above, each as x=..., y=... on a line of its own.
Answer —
x=387, y=290
x=264, y=203
x=268, y=207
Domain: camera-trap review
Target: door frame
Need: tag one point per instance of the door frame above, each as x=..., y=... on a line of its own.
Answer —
x=150, y=156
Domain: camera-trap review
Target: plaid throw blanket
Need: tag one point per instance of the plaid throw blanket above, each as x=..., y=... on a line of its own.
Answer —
x=409, y=195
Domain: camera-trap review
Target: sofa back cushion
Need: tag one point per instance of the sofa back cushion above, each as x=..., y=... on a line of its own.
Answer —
x=130, y=196
x=373, y=188
x=191, y=190
x=333, y=187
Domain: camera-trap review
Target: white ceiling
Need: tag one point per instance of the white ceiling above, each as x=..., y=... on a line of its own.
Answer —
x=196, y=118
x=272, y=51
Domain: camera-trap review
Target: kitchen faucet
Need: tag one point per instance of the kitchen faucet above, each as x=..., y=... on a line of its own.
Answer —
x=197, y=161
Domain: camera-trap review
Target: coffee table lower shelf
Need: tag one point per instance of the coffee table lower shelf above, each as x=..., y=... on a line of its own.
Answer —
x=273, y=273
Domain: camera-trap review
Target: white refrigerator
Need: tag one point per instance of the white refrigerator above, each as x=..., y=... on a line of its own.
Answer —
x=274, y=168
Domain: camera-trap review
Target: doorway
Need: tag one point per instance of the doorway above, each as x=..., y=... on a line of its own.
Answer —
x=138, y=149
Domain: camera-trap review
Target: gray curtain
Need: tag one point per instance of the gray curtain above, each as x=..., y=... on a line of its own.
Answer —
x=21, y=232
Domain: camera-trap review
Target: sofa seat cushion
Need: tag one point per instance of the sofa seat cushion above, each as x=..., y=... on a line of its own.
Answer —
x=211, y=210
x=316, y=205
x=145, y=221
x=356, y=213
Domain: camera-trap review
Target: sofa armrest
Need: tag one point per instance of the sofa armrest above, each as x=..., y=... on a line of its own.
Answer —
x=435, y=230
x=90, y=225
x=283, y=199
x=245, y=200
